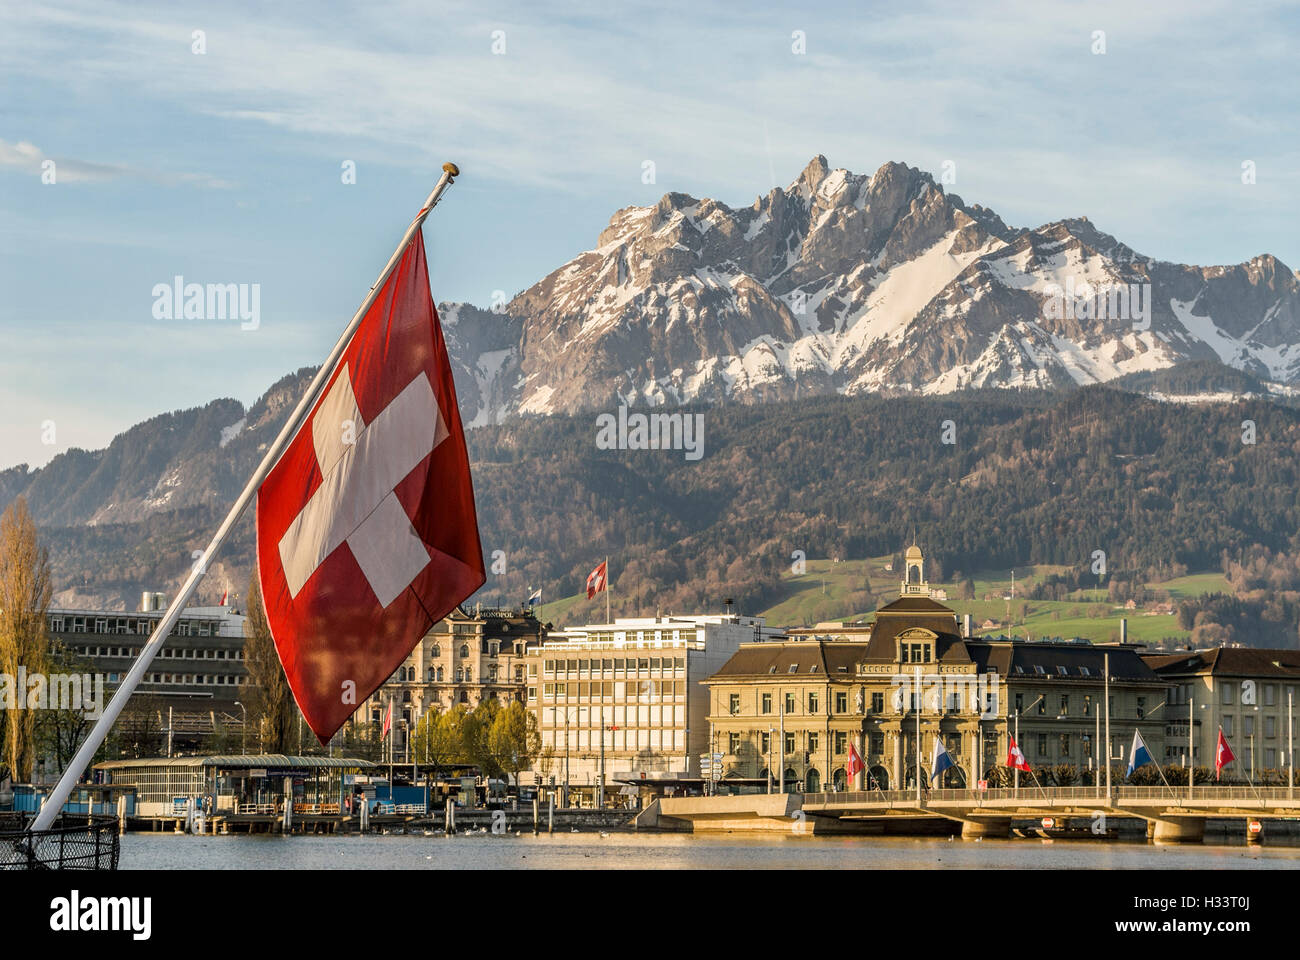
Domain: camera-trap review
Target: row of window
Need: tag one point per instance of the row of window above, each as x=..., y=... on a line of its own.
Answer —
x=641, y=715
x=614, y=667
x=177, y=653
x=461, y=674
x=193, y=679
x=623, y=740
x=1272, y=726
x=62, y=623
x=491, y=647
x=643, y=690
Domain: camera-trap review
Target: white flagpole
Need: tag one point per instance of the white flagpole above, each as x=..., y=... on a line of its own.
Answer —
x=59, y=795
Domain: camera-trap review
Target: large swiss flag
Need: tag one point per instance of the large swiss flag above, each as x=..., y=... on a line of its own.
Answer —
x=366, y=530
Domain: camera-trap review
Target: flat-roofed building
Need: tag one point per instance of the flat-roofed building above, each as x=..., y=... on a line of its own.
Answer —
x=633, y=691
x=193, y=683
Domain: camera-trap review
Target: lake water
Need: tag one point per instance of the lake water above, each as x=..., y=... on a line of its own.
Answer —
x=153, y=851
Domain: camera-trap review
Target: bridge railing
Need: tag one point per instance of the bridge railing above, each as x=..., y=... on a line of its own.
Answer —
x=1031, y=794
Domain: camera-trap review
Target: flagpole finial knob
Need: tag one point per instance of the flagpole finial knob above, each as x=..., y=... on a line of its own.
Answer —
x=451, y=169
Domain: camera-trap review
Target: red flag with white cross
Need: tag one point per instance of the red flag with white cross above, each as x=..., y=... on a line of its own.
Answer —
x=1222, y=754
x=366, y=528
x=596, y=580
x=1015, y=756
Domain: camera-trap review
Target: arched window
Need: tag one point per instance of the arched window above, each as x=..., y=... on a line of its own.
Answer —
x=440, y=674
x=436, y=651
x=519, y=674
x=812, y=781
x=492, y=673
x=464, y=649
x=469, y=675
x=433, y=674
x=840, y=779
x=460, y=674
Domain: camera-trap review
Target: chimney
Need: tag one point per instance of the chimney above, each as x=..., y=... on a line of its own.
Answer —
x=967, y=626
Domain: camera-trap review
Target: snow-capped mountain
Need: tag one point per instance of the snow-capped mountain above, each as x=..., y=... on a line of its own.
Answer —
x=846, y=283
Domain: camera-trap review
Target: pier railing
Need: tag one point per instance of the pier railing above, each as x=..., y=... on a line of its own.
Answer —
x=73, y=842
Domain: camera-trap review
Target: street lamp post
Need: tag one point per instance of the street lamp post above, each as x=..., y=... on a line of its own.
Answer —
x=243, y=727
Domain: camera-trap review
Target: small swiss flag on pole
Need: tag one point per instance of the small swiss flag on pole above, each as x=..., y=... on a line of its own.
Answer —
x=1223, y=754
x=366, y=529
x=596, y=579
x=855, y=764
x=1015, y=756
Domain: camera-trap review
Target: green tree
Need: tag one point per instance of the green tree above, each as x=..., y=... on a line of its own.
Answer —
x=477, y=737
x=514, y=739
x=439, y=737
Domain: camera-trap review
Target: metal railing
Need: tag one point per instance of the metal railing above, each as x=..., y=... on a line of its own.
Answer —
x=73, y=842
x=1028, y=793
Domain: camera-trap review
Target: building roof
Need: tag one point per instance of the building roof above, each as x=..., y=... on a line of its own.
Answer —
x=1036, y=660
x=278, y=761
x=1228, y=661
x=815, y=658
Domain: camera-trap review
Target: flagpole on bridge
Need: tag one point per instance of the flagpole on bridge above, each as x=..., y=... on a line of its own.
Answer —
x=81, y=760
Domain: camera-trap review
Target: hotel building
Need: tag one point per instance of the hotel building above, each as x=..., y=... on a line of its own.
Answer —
x=789, y=710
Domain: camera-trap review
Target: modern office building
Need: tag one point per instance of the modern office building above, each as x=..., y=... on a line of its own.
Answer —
x=629, y=695
x=194, y=684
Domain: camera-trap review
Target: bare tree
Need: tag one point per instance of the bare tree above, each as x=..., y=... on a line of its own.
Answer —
x=25, y=593
x=271, y=707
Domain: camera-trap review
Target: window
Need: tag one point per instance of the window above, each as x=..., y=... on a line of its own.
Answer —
x=464, y=649
x=794, y=668
x=1226, y=696
x=733, y=706
x=841, y=741
x=1269, y=693
x=790, y=703
x=764, y=743
x=1038, y=668
x=813, y=741
x=813, y=702
x=877, y=743
x=437, y=652
x=766, y=703
x=1020, y=703
x=733, y=743
x=789, y=743
x=878, y=702
x=1087, y=706
x=1141, y=707
x=841, y=701
x=1042, y=744
x=1065, y=704
x=1042, y=705
x=1227, y=726
x=1247, y=726
x=1065, y=744
x=1270, y=727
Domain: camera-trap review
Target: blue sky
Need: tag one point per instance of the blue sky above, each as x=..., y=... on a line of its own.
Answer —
x=225, y=166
